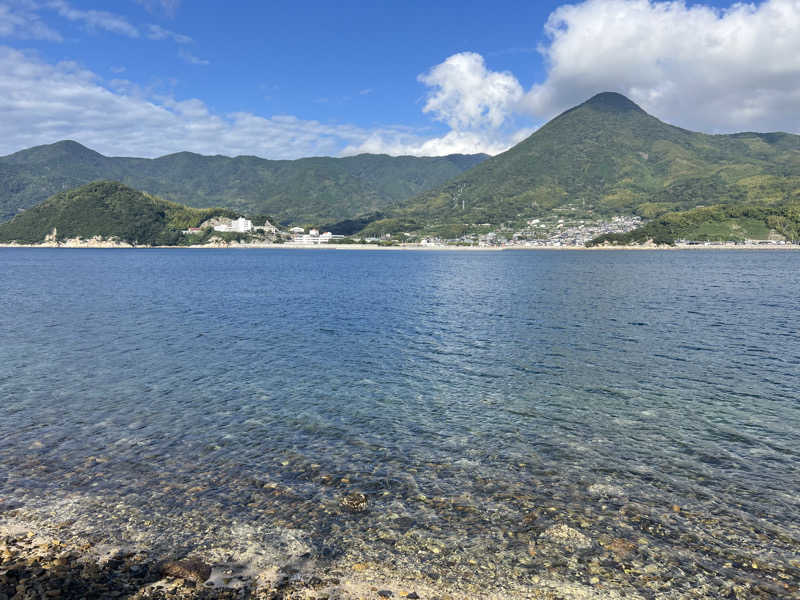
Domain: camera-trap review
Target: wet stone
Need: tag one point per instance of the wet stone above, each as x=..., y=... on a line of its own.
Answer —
x=190, y=568
x=607, y=490
x=354, y=502
x=566, y=536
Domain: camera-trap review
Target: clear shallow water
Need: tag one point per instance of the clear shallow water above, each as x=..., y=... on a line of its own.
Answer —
x=188, y=398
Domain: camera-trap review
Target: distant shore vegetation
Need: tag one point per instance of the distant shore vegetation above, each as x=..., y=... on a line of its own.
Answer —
x=113, y=211
x=720, y=223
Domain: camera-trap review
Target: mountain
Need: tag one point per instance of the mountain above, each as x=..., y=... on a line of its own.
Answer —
x=607, y=156
x=308, y=190
x=108, y=209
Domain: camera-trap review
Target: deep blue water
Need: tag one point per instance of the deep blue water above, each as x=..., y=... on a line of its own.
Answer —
x=173, y=381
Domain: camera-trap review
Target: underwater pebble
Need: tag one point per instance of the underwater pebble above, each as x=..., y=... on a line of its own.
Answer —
x=603, y=489
x=355, y=502
x=566, y=536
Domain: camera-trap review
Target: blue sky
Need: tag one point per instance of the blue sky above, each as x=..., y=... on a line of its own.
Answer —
x=282, y=80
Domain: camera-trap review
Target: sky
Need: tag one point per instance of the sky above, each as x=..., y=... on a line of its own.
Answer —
x=283, y=80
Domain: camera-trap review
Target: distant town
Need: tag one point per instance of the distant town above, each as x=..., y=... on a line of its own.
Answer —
x=552, y=232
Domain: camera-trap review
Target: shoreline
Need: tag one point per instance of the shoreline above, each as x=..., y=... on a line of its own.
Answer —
x=36, y=560
x=95, y=245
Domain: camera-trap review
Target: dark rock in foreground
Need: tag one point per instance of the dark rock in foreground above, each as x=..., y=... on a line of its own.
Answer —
x=190, y=568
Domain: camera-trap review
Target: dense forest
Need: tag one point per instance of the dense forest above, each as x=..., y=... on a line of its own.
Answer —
x=110, y=210
x=307, y=190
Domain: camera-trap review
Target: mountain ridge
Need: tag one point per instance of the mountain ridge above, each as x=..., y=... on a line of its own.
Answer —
x=312, y=189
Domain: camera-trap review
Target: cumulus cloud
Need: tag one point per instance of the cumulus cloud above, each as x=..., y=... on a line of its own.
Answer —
x=703, y=68
x=397, y=143
x=707, y=69
x=42, y=103
x=477, y=104
x=95, y=19
x=21, y=21
x=466, y=95
x=696, y=66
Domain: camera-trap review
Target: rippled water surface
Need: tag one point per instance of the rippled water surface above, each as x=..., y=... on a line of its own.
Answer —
x=187, y=398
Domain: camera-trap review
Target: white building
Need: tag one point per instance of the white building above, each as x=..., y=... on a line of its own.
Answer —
x=313, y=237
x=240, y=225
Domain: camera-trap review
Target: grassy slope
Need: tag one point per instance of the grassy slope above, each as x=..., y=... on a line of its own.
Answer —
x=107, y=209
x=608, y=156
x=305, y=190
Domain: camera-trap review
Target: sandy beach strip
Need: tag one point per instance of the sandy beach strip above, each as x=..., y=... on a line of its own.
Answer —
x=409, y=247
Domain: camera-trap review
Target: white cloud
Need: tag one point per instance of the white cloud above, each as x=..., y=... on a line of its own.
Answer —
x=695, y=66
x=21, y=21
x=191, y=58
x=156, y=32
x=466, y=95
x=397, y=143
x=95, y=19
x=42, y=103
x=477, y=104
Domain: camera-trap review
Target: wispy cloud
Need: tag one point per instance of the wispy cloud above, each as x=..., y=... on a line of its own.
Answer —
x=156, y=32
x=42, y=103
x=21, y=21
x=168, y=7
x=95, y=19
x=366, y=92
x=191, y=58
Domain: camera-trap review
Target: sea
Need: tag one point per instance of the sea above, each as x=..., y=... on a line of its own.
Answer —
x=622, y=419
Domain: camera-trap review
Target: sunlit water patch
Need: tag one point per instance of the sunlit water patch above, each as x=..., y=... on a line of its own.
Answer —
x=617, y=419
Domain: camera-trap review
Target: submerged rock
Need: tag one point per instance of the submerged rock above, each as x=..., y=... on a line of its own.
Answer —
x=189, y=568
x=355, y=502
x=605, y=489
x=566, y=536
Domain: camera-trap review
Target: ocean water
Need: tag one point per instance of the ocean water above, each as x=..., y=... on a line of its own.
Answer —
x=198, y=400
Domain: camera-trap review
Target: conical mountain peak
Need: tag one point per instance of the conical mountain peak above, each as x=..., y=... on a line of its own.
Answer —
x=606, y=156
x=613, y=102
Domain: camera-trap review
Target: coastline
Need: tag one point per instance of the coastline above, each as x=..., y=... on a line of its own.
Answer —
x=54, y=562
x=94, y=245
